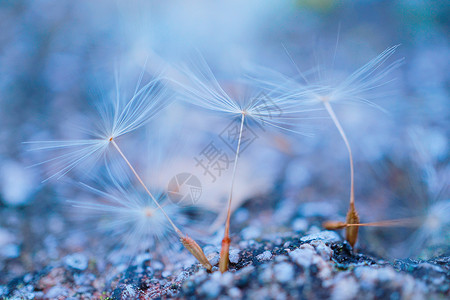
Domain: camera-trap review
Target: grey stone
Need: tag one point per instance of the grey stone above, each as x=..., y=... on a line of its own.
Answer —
x=266, y=255
x=284, y=272
x=76, y=261
x=234, y=256
x=303, y=256
x=326, y=236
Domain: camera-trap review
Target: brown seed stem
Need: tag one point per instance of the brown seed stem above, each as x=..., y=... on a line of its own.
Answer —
x=225, y=250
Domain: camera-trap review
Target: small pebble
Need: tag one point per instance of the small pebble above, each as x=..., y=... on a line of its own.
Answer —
x=280, y=258
x=266, y=255
x=265, y=275
x=344, y=289
x=234, y=256
x=76, y=261
x=157, y=265
x=208, y=250
x=226, y=279
x=326, y=236
x=323, y=250
x=235, y=293
x=213, y=258
x=303, y=256
x=130, y=291
x=211, y=289
x=55, y=292
x=284, y=272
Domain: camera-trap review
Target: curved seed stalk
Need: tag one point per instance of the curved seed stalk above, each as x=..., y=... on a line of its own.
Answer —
x=351, y=233
x=187, y=242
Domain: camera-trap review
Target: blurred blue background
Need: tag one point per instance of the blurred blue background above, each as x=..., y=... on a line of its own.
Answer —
x=54, y=54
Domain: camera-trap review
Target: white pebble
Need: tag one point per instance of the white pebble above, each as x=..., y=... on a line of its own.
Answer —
x=284, y=272
x=234, y=256
x=211, y=288
x=77, y=261
x=55, y=292
x=213, y=258
x=346, y=288
x=326, y=236
x=266, y=255
x=322, y=249
x=235, y=293
x=303, y=256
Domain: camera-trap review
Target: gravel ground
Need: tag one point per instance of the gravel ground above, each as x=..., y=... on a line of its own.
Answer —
x=57, y=57
x=280, y=262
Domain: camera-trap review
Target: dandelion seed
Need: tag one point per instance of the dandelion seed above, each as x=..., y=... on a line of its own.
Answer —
x=201, y=88
x=360, y=87
x=118, y=118
x=431, y=225
x=130, y=217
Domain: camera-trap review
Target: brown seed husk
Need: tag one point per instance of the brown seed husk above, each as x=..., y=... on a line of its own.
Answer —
x=195, y=249
x=351, y=232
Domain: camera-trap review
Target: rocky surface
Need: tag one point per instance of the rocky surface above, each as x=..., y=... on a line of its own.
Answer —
x=278, y=251
x=293, y=265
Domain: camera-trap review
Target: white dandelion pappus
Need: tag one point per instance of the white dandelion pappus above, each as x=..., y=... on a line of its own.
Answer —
x=321, y=84
x=360, y=87
x=117, y=117
x=198, y=86
x=201, y=88
x=131, y=218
